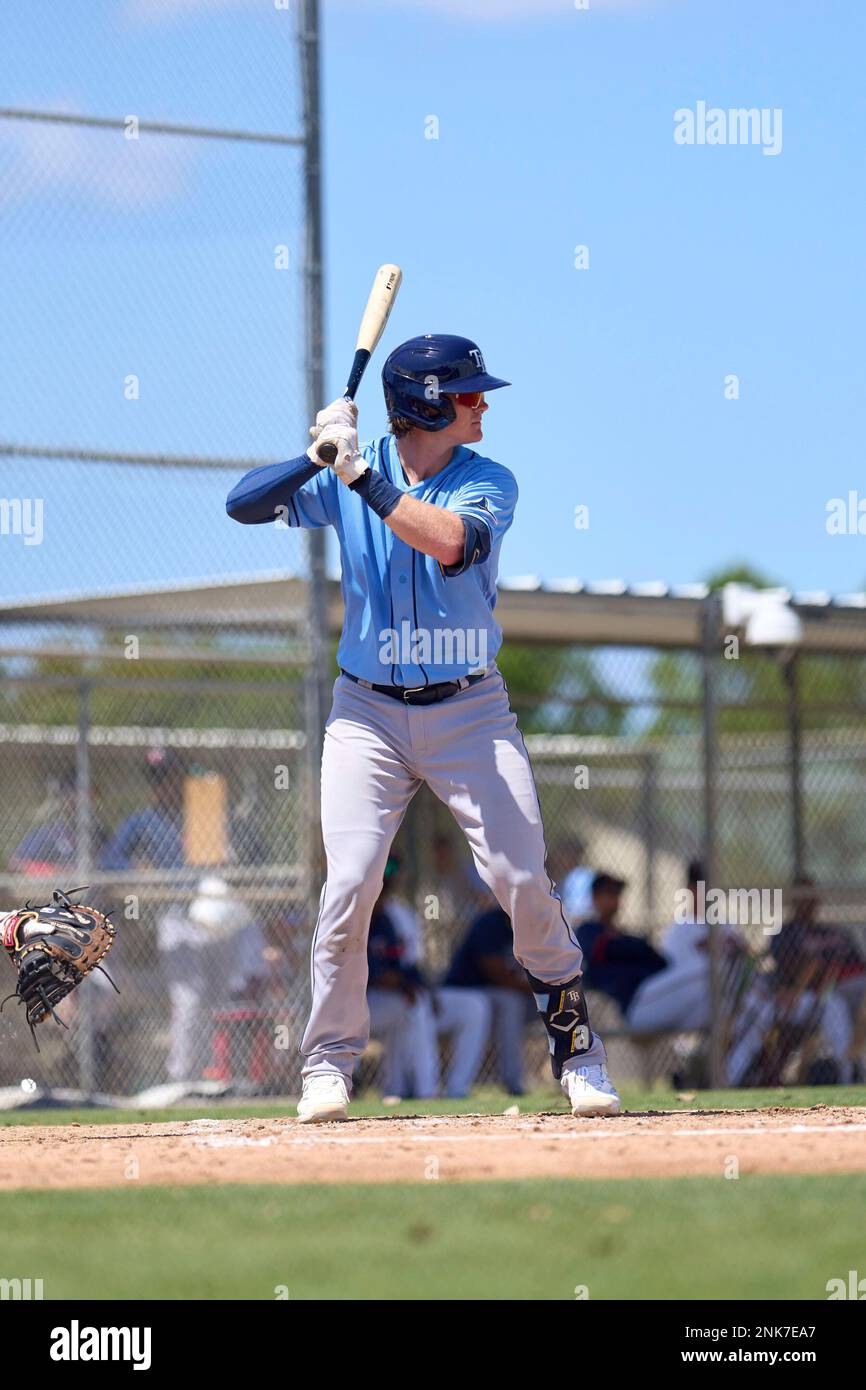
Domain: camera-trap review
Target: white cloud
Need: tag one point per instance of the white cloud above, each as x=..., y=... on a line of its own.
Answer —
x=39, y=157
x=169, y=11
x=492, y=11
x=477, y=11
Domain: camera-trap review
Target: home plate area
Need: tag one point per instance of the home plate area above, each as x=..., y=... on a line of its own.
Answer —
x=821, y=1139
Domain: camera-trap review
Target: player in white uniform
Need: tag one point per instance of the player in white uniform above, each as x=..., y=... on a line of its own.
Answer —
x=420, y=517
x=678, y=998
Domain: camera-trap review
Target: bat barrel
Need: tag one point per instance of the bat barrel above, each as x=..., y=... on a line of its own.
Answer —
x=379, y=305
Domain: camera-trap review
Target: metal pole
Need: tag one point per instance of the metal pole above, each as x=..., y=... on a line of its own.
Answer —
x=64, y=452
x=316, y=697
x=648, y=825
x=710, y=627
x=85, y=1034
x=795, y=741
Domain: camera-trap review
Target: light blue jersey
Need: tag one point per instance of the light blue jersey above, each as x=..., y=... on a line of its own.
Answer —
x=407, y=621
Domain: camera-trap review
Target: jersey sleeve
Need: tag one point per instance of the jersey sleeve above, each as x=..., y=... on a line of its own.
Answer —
x=313, y=504
x=486, y=501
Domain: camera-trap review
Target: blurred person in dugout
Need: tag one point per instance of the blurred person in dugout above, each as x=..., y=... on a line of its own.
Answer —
x=810, y=1002
x=50, y=847
x=393, y=991
x=452, y=895
x=460, y=893
x=462, y=1016
x=573, y=875
x=841, y=969
x=211, y=952
x=484, y=963
x=614, y=962
x=677, y=998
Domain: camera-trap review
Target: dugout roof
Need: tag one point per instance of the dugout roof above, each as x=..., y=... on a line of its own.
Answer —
x=607, y=613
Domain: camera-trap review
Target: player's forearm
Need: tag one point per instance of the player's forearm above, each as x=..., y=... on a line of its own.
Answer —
x=261, y=493
x=432, y=530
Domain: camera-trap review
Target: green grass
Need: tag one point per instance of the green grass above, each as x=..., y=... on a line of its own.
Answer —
x=754, y=1238
x=486, y=1102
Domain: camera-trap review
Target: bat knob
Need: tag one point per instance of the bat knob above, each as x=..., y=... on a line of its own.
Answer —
x=327, y=453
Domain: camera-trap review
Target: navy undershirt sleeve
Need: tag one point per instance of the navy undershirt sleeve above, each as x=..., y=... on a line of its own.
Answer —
x=258, y=495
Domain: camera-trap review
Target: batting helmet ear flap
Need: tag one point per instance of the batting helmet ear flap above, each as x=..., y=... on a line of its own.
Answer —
x=428, y=413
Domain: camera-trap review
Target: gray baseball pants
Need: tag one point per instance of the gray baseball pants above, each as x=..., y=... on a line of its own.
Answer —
x=469, y=751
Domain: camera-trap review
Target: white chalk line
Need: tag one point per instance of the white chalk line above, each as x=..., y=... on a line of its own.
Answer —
x=313, y=1140
x=234, y=1141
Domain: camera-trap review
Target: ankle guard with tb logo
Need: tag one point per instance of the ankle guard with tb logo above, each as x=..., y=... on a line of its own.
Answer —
x=564, y=1014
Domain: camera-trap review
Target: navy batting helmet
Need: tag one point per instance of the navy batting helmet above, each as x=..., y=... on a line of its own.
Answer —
x=421, y=374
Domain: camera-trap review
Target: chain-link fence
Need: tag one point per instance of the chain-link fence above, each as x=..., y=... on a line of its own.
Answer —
x=214, y=975
x=162, y=332
x=179, y=789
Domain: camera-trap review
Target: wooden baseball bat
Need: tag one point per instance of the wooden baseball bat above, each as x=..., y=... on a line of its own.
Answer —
x=381, y=301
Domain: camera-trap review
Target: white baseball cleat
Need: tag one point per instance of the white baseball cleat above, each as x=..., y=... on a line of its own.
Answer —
x=590, y=1090
x=325, y=1097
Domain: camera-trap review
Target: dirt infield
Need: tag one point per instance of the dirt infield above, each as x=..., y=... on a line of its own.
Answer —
x=822, y=1139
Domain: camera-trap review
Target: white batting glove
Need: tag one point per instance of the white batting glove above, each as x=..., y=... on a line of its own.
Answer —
x=349, y=465
x=339, y=412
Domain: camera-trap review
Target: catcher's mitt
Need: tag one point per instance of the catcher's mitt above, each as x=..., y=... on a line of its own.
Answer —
x=53, y=947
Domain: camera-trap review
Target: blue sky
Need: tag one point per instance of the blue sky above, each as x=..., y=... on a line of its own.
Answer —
x=555, y=129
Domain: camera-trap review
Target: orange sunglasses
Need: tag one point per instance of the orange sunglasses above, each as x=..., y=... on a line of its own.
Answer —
x=471, y=398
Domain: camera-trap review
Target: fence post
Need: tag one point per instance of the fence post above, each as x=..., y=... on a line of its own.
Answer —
x=317, y=681
x=791, y=671
x=84, y=1036
x=711, y=611
x=648, y=824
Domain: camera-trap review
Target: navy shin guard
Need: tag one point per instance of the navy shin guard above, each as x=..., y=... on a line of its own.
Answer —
x=564, y=1014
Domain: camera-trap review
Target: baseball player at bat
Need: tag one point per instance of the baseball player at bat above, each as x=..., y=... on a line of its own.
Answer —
x=420, y=516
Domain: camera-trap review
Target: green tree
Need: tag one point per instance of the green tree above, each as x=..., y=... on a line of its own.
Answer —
x=752, y=688
x=558, y=689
